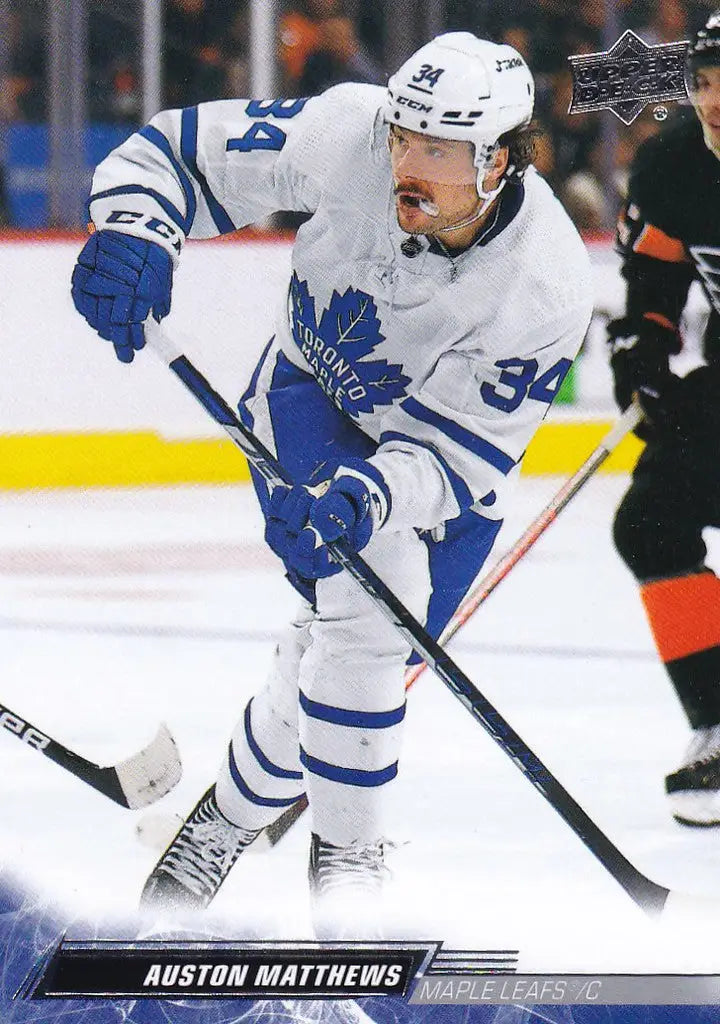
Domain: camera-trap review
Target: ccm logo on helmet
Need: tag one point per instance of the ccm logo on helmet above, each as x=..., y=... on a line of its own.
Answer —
x=405, y=101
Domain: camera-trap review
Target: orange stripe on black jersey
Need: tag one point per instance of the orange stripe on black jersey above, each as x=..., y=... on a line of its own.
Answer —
x=664, y=321
x=684, y=614
x=655, y=243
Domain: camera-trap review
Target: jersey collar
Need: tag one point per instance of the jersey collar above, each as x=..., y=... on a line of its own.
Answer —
x=509, y=202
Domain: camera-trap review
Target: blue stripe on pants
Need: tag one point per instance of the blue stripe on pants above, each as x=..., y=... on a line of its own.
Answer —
x=354, y=719
x=348, y=776
x=265, y=763
x=254, y=798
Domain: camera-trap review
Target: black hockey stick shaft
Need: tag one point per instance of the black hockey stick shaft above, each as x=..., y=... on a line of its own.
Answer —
x=500, y=571
x=104, y=780
x=650, y=896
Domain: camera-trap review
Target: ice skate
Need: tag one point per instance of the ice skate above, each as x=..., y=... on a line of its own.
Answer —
x=197, y=861
x=346, y=884
x=694, y=789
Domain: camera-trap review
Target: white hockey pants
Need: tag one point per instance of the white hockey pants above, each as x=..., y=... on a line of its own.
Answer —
x=328, y=720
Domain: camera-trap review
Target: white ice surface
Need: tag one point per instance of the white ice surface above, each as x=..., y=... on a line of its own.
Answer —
x=123, y=608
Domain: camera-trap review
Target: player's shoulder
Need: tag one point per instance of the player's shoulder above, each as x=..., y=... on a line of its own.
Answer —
x=554, y=274
x=669, y=148
x=552, y=244
x=339, y=130
x=538, y=268
x=661, y=163
x=542, y=207
x=350, y=106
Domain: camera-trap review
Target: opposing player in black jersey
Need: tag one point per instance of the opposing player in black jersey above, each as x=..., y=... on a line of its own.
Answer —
x=669, y=234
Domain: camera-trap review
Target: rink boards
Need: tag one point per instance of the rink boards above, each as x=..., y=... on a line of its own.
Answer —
x=73, y=416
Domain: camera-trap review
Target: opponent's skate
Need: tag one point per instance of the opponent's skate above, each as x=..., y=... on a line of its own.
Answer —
x=694, y=789
x=346, y=884
x=197, y=861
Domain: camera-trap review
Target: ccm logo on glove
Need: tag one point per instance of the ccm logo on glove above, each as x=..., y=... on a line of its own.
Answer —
x=160, y=227
x=301, y=521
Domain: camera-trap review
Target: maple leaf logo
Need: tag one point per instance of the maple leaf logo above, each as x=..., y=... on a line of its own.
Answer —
x=303, y=303
x=351, y=319
x=337, y=347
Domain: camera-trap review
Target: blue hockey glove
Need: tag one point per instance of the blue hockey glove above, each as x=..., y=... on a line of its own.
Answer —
x=302, y=521
x=344, y=510
x=286, y=517
x=288, y=534
x=118, y=280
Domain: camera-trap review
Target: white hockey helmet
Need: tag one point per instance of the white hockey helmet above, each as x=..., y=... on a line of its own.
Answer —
x=462, y=88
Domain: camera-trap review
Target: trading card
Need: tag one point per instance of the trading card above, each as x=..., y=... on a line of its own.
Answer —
x=317, y=316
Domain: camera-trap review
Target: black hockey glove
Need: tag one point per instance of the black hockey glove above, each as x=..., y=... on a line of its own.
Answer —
x=640, y=362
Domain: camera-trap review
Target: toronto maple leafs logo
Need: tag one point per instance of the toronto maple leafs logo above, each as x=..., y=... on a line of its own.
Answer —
x=336, y=348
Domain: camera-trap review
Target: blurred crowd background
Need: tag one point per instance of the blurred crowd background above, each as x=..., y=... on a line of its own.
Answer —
x=319, y=43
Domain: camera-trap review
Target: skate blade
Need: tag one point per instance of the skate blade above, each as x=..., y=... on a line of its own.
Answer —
x=696, y=809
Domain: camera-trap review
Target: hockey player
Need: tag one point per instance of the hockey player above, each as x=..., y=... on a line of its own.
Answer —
x=669, y=234
x=437, y=298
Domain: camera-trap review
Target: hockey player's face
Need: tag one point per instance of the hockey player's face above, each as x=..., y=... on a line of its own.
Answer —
x=706, y=100
x=437, y=171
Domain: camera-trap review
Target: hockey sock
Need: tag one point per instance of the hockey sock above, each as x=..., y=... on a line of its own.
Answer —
x=684, y=616
x=256, y=781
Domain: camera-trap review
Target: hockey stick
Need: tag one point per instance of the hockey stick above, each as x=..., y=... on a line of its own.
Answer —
x=136, y=782
x=480, y=593
x=647, y=894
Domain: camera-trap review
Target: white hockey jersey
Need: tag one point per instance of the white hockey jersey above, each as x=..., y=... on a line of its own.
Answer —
x=449, y=364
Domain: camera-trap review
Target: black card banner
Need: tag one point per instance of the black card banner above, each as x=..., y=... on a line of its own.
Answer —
x=230, y=970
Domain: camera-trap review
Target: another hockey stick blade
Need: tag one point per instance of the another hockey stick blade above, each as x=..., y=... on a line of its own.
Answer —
x=273, y=833
x=647, y=894
x=136, y=782
x=151, y=773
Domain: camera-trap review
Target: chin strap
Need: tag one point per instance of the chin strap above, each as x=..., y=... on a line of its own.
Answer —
x=486, y=199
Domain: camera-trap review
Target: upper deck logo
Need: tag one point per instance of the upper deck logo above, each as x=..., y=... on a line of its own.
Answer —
x=627, y=77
